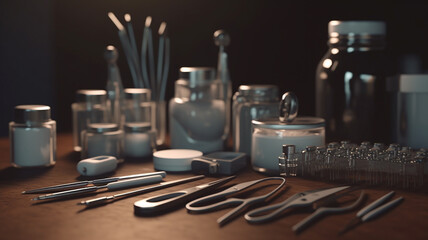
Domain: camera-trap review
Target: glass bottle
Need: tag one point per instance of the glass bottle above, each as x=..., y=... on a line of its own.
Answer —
x=32, y=136
x=197, y=118
x=350, y=82
x=139, y=107
x=102, y=139
x=90, y=107
x=252, y=102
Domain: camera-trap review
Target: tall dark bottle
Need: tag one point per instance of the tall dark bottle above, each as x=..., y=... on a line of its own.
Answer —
x=350, y=82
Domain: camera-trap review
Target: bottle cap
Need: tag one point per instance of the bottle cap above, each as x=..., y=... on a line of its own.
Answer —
x=32, y=113
x=137, y=127
x=138, y=94
x=102, y=127
x=91, y=96
x=336, y=28
x=266, y=92
x=197, y=75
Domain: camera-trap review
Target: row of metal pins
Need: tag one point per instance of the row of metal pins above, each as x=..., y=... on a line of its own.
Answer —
x=371, y=164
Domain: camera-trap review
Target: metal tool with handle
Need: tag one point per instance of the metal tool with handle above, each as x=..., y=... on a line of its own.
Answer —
x=324, y=211
x=110, y=186
x=195, y=206
x=156, y=204
x=96, y=182
x=303, y=199
x=107, y=199
x=372, y=210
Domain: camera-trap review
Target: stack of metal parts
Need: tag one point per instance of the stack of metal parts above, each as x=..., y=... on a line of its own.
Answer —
x=372, y=164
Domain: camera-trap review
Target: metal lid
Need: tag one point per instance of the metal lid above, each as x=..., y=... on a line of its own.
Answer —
x=259, y=90
x=138, y=127
x=297, y=124
x=32, y=113
x=408, y=83
x=91, y=96
x=102, y=127
x=197, y=75
x=140, y=94
x=336, y=28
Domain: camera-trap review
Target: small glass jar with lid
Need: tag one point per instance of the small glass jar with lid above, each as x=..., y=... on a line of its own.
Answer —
x=91, y=107
x=270, y=135
x=252, y=102
x=32, y=136
x=140, y=140
x=102, y=139
x=138, y=106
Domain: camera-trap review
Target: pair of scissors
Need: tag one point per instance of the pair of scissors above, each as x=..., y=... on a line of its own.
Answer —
x=299, y=200
x=195, y=206
x=163, y=202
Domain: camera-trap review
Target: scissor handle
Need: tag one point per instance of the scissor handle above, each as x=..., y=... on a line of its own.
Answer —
x=192, y=206
x=258, y=215
x=218, y=205
x=160, y=202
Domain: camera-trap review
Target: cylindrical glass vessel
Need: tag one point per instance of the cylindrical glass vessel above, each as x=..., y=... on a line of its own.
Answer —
x=252, y=102
x=32, y=136
x=139, y=106
x=269, y=136
x=140, y=140
x=350, y=82
x=197, y=119
x=91, y=107
x=102, y=139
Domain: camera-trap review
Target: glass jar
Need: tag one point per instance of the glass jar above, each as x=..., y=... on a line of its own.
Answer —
x=140, y=140
x=91, y=107
x=197, y=119
x=102, y=139
x=350, y=82
x=139, y=106
x=32, y=137
x=251, y=102
x=269, y=136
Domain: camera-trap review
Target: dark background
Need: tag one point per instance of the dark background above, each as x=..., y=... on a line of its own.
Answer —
x=51, y=48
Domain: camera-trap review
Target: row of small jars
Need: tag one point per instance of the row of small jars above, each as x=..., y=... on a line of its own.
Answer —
x=136, y=140
x=94, y=132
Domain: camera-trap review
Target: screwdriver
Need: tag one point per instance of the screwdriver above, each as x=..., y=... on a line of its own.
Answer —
x=110, y=186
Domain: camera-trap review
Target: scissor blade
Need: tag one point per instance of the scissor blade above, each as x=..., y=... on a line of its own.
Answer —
x=216, y=182
x=317, y=195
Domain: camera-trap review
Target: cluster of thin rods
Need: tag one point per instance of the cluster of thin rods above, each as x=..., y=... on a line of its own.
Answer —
x=143, y=70
x=372, y=164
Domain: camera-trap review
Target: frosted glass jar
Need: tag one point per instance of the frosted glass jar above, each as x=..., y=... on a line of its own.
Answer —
x=102, y=139
x=269, y=136
x=140, y=140
x=252, y=102
x=197, y=118
x=90, y=107
x=32, y=137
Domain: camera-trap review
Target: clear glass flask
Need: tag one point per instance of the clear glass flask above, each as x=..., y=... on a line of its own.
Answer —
x=91, y=107
x=251, y=102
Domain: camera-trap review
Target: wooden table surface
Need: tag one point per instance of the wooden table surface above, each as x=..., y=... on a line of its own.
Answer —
x=22, y=219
